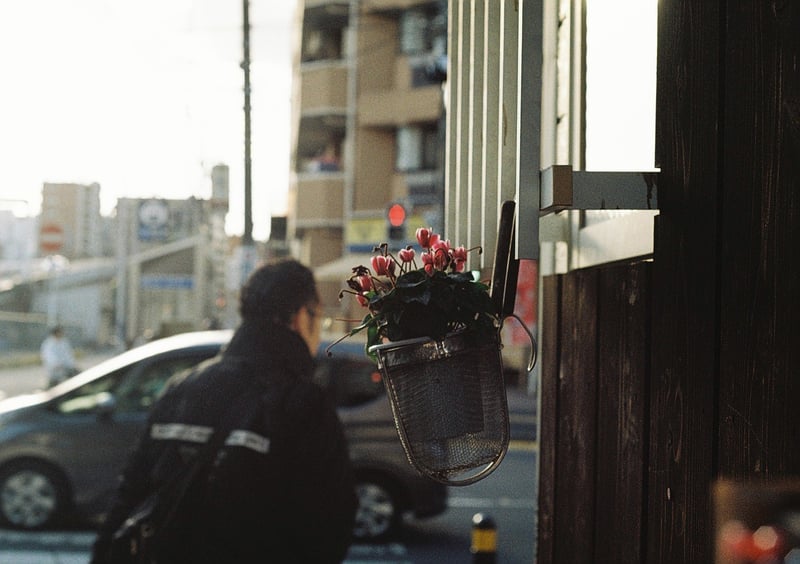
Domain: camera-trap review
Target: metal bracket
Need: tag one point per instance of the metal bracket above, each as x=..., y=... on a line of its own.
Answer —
x=562, y=189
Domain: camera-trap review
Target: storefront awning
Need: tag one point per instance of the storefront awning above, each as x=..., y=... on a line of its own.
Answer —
x=340, y=269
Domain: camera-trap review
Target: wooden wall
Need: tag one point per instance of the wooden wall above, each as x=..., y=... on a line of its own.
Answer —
x=593, y=446
x=647, y=402
x=726, y=347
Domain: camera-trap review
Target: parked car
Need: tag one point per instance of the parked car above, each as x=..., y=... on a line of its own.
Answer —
x=62, y=449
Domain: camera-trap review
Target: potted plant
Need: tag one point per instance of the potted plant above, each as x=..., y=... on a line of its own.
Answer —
x=434, y=298
x=433, y=330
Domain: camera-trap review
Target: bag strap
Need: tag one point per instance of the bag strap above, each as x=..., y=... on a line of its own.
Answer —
x=175, y=488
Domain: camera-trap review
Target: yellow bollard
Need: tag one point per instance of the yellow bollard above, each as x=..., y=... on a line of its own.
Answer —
x=484, y=539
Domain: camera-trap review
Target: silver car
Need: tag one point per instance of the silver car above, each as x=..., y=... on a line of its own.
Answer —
x=62, y=449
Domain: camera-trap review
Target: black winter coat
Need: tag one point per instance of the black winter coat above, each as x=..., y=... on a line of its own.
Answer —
x=280, y=490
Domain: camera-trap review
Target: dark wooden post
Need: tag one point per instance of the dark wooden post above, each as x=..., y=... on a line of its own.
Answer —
x=725, y=343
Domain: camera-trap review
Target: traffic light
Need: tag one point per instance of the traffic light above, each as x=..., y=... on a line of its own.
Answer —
x=396, y=216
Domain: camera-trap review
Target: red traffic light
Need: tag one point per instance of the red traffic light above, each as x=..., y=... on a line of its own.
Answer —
x=396, y=215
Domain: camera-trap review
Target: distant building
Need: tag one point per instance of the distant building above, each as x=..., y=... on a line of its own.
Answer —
x=18, y=238
x=70, y=222
x=367, y=129
x=172, y=263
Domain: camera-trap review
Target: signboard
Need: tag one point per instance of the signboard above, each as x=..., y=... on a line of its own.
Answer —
x=51, y=238
x=167, y=282
x=153, y=220
x=364, y=234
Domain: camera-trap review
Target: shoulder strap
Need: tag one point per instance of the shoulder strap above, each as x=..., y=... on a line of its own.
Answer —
x=173, y=490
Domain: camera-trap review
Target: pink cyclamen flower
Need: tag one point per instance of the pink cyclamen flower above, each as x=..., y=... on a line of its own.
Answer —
x=424, y=236
x=380, y=264
x=440, y=245
x=428, y=263
x=441, y=254
x=362, y=299
x=459, y=258
x=407, y=255
x=365, y=282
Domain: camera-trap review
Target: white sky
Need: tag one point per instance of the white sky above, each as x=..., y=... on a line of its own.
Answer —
x=144, y=98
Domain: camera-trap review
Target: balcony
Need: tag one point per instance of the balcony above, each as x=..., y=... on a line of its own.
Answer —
x=324, y=87
x=390, y=108
x=319, y=199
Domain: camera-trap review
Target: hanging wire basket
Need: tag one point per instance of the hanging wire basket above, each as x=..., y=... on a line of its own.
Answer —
x=449, y=404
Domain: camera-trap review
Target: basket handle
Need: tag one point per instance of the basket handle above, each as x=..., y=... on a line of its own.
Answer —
x=533, y=355
x=506, y=267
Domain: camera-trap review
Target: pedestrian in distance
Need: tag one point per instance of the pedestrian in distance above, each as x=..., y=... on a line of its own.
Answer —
x=57, y=356
x=280, y=486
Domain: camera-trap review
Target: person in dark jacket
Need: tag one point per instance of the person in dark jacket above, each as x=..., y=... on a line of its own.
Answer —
x=281, y=489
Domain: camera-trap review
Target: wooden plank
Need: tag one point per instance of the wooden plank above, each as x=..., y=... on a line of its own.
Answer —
x=685, y=281
x=622, y=429
x=577, y=410
x=760, y=343
x=548, y=415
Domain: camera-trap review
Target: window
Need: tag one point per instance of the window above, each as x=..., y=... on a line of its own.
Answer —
x=131, y=389
x=620, y=84
x=324, y=32
x=322, y=45
x=417, y=148
x=423, y=31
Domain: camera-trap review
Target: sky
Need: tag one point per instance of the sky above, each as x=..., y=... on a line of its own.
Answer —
x=144, y=98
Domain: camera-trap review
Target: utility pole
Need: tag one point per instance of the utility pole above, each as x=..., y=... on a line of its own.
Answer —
x=248, y=248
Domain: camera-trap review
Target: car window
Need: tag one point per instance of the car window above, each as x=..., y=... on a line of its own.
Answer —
x=86, y=398
x=348, y=381
x=139, y=392
x=134, y=388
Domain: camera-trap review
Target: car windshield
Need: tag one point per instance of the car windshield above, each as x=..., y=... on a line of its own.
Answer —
x=127, y=358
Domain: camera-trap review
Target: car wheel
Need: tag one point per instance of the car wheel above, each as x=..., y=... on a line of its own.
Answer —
x=378, y=510
x=32, y=495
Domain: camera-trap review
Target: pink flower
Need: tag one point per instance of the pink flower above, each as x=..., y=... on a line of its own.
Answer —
x=362, y=299
x=428, y=263
x=365, y=282
x=459, y=258
x=441, y=254
x=424, y=236
x=380, y=264
x=441, y=246
x=407, y=255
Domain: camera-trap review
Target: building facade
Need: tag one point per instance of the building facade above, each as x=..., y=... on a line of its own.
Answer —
x=171, y=263
x=70, y=222
x=367, y=128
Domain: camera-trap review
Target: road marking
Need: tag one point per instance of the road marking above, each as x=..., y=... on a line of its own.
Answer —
x=41, y=557
x=527, y=446
x=489, y=502
x=57, y=538
x=37, y=547
x=391, y=553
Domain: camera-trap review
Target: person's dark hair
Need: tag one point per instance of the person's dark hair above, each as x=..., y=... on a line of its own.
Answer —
x=277, y=290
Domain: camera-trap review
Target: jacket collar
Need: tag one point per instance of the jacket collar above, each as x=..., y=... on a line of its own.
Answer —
x=267, y=346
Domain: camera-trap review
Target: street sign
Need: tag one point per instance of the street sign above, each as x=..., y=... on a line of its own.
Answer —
x=167, y=281
x=51, y=238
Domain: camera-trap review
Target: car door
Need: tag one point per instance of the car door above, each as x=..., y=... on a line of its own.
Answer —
x=101, y=422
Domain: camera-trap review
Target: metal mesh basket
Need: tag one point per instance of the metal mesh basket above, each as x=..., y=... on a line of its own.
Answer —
x=449, y=404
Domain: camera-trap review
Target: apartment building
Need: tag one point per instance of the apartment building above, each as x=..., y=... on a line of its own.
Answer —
x=70, y=222
x=367, y=127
